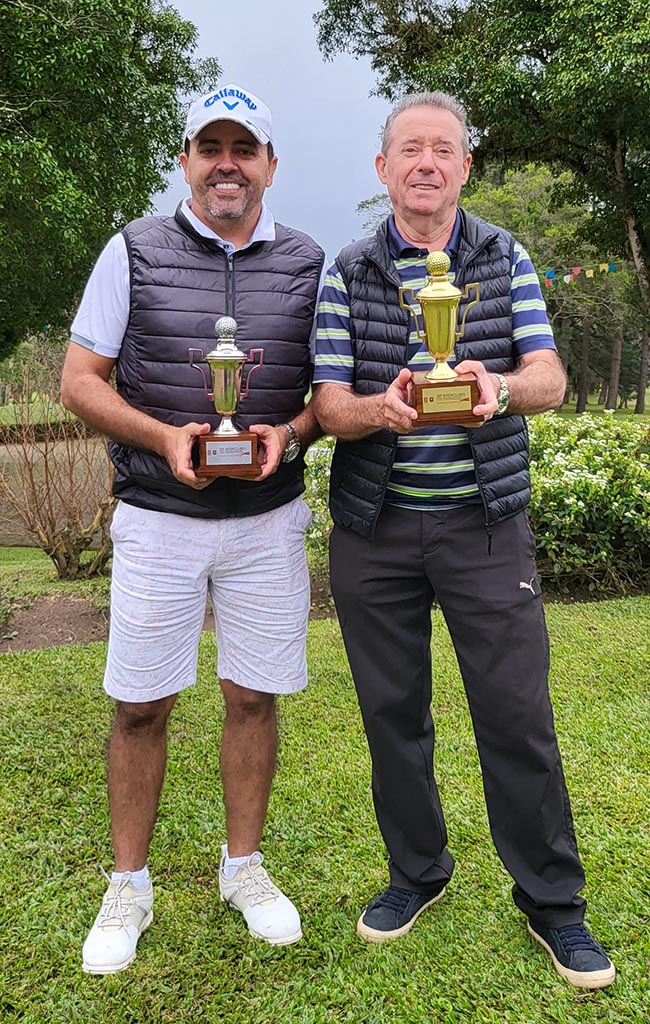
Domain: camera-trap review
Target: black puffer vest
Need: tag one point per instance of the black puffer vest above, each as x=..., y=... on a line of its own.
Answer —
x=181, y=283
x=379, y=330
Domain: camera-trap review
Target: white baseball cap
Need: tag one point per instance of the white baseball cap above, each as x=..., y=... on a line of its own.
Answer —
x=230, y=103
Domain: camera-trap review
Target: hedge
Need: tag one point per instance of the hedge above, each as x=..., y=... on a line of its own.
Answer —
x=590, y=507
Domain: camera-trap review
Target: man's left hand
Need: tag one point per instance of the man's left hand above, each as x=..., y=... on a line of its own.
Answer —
x=487, y=405
x=272, y=442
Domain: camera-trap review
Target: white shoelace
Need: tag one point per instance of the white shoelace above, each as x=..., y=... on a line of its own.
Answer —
x=114, y=907
x=258, y=887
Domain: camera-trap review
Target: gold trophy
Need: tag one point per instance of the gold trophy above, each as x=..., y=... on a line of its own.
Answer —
x=441, y=395
x=227, y=451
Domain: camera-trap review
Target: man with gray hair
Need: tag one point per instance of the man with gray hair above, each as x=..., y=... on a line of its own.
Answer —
x=424, y=513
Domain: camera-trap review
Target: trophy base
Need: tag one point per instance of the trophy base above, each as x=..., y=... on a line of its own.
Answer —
x=228, y=455
x=446, y=401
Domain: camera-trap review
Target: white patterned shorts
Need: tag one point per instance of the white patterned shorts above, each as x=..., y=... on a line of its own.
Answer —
x=164, y=565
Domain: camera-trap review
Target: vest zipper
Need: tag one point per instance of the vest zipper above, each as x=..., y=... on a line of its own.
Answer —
x=459, y=281
x=230, y=285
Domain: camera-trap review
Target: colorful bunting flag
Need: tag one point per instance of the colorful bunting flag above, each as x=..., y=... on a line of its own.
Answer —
x=551, y=276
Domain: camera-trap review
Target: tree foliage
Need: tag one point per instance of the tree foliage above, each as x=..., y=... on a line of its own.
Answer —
x=560, y=81
x=90, y=122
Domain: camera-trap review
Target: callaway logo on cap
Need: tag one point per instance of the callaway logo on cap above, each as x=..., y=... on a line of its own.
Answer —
x=232, y=103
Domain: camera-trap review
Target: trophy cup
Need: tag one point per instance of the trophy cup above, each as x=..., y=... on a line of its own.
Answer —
x=227, y=452
x=441, y=395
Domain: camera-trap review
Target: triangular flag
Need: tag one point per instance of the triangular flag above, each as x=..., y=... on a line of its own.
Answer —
x=611, y=267
x=589, y=273
x=568, y=278
x=577, y=271
x=549, y=281
x=603, y=267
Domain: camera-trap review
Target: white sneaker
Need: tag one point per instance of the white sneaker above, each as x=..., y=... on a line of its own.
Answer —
x=269, y=914
x=125, y=913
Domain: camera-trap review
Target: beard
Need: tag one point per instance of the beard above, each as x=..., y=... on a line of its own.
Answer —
x=235, y=208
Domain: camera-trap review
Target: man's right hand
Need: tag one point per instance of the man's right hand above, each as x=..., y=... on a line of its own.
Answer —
x=178, y=452
x=397, y=413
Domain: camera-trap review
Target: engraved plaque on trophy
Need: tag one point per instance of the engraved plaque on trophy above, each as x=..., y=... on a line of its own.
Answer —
x=227, y=451
x=441, y=395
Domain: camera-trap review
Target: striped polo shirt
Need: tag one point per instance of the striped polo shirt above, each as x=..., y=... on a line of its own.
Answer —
x=433, y=466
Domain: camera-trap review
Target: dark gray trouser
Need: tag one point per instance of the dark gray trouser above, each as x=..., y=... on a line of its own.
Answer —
x=383, y=589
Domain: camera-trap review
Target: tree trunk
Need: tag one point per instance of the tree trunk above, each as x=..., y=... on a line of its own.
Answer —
x=604, y=391
x=615, y=368
x=643, y=372
x=635, y=236
x=583, y=379
x=563, y=353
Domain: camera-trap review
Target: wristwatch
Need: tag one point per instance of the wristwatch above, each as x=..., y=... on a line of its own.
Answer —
x=503, y=399
x=292, y=451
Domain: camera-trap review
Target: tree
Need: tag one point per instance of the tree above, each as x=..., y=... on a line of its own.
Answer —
x=644, y=363
x=560, y=81
x=55, y=473
x=90, y=123
x=374, y=210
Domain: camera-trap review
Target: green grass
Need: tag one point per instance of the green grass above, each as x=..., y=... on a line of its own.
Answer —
x=468, y=961
x=40, y=410
x=595, y=409
x=26, y=573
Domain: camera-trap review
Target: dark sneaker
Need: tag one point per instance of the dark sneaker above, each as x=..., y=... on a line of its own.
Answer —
x=394, y=913
x=576, y=955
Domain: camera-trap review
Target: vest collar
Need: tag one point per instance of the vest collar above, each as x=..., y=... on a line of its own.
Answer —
x=399, y=248
x=191, y=225
x=472, y=237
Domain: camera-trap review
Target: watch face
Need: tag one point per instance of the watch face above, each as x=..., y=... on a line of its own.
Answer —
x=293, y=448
x=291, y=451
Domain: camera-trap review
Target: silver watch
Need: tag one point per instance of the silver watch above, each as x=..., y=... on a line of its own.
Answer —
x=292, y=451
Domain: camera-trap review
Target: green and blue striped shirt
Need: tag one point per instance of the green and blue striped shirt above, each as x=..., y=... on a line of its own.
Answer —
x=433, y=466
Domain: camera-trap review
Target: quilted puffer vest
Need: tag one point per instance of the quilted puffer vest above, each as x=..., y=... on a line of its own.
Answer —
x=379, y=330
x=181, y=283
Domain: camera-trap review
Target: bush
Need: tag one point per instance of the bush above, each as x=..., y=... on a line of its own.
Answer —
x=590, y=508
x=55, y=475
x=317, y=478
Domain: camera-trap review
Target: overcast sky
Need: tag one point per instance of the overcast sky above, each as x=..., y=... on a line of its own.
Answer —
x=326, y=125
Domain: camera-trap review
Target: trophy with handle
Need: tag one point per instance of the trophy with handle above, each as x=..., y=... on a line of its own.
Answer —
x=441, y=395
x=227, y=451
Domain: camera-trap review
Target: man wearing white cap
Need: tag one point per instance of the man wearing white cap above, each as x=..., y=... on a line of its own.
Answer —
x=155, y=293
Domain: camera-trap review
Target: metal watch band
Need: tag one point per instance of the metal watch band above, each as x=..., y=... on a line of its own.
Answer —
x=293, y=448
x=504, y=394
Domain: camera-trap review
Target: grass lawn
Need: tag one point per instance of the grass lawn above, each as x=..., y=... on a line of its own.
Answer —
x=26, y=573
x=594, y=408
x=468, y=961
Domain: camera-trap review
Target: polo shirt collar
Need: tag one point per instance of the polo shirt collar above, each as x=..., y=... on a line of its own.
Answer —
x=399, y=248
x=264, y=229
